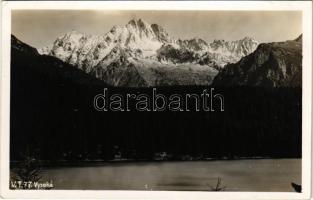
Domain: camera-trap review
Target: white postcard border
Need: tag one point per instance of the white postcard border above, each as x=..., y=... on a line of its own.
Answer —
x=304, y=6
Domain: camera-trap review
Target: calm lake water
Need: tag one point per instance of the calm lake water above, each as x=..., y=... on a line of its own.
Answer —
x=236, y=175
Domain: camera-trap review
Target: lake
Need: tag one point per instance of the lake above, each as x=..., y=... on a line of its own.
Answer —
x=236, y=175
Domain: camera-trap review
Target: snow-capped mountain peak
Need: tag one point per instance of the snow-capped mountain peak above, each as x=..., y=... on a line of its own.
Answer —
x=232, y=51
x=150, y=43
x=140, y=24
x=148, y=39
x=87, y=51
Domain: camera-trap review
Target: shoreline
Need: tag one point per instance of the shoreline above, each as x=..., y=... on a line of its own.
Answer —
x=95, y=163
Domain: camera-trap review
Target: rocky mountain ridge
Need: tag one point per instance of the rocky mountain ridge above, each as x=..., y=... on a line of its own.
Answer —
x=145, y=41
x=138, y=43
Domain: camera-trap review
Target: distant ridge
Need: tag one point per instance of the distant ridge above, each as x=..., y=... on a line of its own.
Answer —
x=153, y=56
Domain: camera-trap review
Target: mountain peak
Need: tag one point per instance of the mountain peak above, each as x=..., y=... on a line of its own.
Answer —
x=136, y=20
x=299, y=38
x=73, y=33
x=218, y=41
x=152, y=31
x=247, y=38
x=139, y=23
x=199, y=40
x=141, y=39
x=133, y=22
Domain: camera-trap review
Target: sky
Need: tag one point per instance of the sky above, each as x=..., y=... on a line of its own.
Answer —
x=40, y=28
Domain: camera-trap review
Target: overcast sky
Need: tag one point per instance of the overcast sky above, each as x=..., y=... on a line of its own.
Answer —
x=41, y=28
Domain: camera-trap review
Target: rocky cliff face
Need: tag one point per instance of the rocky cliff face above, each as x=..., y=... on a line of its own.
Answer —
x=277, y=64
x=140, y=42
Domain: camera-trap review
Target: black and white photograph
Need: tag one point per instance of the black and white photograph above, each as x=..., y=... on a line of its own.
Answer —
x=156, y=100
